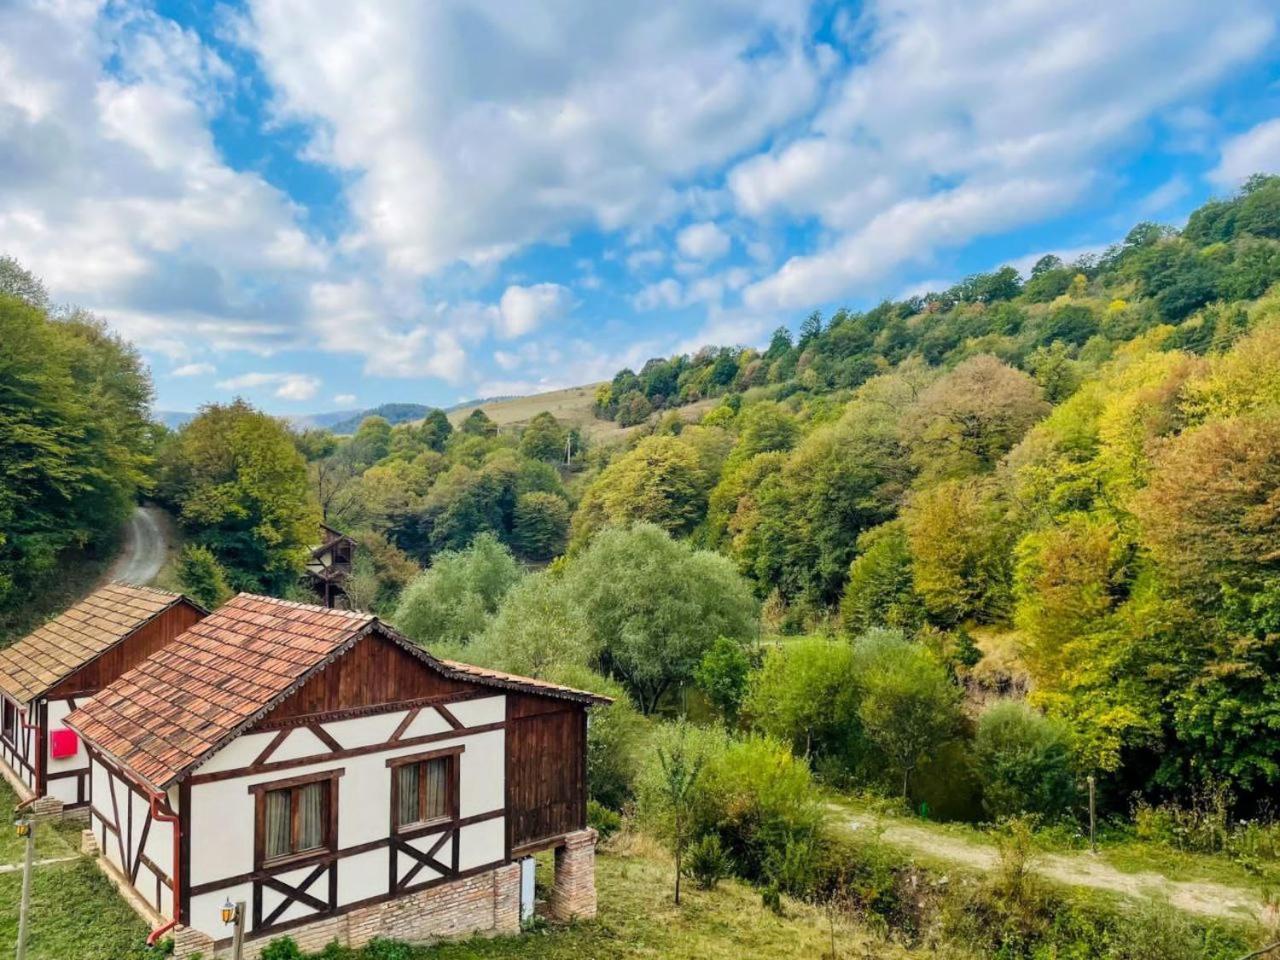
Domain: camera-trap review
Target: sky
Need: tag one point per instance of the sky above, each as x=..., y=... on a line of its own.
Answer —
x=323, y=205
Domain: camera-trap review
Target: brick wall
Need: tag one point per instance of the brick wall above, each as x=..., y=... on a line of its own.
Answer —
x=485, y=903
x=573, y=894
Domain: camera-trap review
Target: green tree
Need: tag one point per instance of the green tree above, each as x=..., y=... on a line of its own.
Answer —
x=74, y=436
x=538, y=630
x=766, y=427
x=540, y=525
x=722, y=676
x=681, y=768
x=656, y=606
x=240, y=488
x=450, y=602
x=805, y=694
x=435, y=429
x=881, y=589
x=966, y=421
x=543, y=438
x=660, y=481
x=908, y=705
x=478, y=424
x=371, y=443
x=1024, y=762
x=202, y=577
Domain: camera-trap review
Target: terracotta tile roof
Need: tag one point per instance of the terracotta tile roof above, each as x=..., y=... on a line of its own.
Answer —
x=67, y=642
x=167, y=713
x=172, y=711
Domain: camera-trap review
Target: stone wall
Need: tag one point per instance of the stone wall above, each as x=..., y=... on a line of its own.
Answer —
x=488, y=902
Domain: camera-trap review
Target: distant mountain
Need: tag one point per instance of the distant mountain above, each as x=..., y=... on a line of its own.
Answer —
x=338, y=421
x=393, y=413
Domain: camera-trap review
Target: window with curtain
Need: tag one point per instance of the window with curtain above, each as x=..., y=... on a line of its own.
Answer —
x=10, y=722
x=424, y=791
x=295, y=820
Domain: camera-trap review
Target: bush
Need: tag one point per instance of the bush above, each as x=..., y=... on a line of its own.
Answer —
x=450, y=602
x=751, y=792
x=604, y=821
x=1023, y=760
x=282, y=949
x=202, y=577
x=706, y=862
x=380, y=948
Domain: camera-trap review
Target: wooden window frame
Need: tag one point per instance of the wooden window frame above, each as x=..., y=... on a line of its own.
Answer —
x=330, y=818
x=453, y=788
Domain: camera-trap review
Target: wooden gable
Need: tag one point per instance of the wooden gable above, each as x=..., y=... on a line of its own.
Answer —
x=375, y=672
x=129, y=652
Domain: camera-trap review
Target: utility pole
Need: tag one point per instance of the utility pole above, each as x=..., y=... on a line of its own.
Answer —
x=237, y=937
x=568, y=449
x=25, y=828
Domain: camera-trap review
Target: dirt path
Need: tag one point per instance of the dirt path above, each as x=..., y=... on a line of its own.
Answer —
x=146, y=540
x=1079, y=870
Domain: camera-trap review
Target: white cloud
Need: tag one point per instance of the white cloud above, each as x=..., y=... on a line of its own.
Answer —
x=523, y=309
x=703, y=241
x=288, y=386
x=344, y=399
x=645, y=259
x=964, y=120
x=193, y=370
x=663, y=293
x=1257, y=150
x=906, y=232
x=580, y=116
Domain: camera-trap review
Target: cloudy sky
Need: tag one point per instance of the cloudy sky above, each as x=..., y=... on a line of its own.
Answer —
x=320, y=204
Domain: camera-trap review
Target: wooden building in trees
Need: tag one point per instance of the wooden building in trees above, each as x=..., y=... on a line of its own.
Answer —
x=49, y=672
x=330, y=566
x=337, y=779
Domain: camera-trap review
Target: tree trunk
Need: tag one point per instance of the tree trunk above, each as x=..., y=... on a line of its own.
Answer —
x=677, y=877
x=906, y=777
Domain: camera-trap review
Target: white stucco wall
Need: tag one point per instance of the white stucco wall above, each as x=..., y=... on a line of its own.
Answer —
x=133, y=808
x=223, y=811
x=64, y=788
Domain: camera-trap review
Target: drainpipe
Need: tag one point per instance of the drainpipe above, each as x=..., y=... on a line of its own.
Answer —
x=170, y=818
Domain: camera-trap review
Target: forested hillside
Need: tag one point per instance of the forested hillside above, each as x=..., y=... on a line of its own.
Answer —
x=75, y=438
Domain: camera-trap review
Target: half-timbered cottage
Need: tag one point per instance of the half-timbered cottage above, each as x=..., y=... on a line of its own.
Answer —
x=45, y=675
x=337, y=779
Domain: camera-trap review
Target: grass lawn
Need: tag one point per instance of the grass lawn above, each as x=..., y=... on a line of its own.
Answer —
x=52, y=839
x=76, y=913
x=639, y=920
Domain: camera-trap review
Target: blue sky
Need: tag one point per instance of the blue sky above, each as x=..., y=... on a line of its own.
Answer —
x=322, y=205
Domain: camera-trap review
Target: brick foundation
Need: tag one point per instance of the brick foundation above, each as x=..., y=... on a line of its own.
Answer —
x=486, y=903
x=573, y=896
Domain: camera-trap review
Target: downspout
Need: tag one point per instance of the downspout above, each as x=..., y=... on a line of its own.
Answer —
x=170, y=818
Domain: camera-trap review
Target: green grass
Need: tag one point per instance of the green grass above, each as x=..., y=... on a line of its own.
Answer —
x=639, y=920
x=76, y=914
x=52, y=839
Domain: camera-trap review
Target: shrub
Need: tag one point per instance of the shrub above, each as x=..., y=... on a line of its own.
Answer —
x=202, y=577
x=604, y=821
x=706, y=862
x=380, y=948
x=1024, y=763
x=282, y=949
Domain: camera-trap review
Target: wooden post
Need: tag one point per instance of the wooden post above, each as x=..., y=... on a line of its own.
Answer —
x=237, y=938
x=1093, y=823
x=25, y=909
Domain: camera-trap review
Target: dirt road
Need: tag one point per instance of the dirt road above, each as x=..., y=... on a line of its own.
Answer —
x=146, y=541
x=1075, y=869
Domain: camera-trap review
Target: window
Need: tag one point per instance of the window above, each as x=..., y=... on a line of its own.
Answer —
x=296, y=817
x=424, y=788
x=10, y=722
